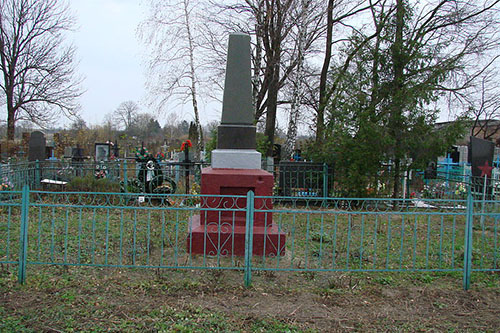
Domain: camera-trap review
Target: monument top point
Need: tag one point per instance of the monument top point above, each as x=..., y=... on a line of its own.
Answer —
x=237, y=106
x=237, y=130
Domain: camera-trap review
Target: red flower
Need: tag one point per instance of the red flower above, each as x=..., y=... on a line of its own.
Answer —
x=188, y=142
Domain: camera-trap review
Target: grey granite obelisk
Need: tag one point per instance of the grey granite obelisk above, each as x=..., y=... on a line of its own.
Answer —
x=236, y=133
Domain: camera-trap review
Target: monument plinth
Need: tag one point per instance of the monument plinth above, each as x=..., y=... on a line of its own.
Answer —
x=236, y=169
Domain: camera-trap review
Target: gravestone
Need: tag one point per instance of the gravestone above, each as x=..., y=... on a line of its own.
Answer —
x=481, y=154
x=68, y=152
x=116, y=150
x=235, y=170
x=463, y=151
x=77, y=154
x=102, y=152
x=37, y=148
x=236, y=141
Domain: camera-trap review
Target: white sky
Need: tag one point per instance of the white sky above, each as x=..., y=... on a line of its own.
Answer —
x=109, y=54
x=112, y=60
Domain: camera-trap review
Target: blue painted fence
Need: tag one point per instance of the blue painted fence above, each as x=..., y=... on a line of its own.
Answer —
x=322, y=234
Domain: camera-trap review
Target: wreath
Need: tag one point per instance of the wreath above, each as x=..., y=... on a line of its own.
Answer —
x=186, y=143
x=160, y=156
x=141, y=154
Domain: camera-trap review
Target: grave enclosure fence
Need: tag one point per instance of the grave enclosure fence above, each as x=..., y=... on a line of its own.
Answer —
x=294, y=179
x=39, y=228
x=304, y=179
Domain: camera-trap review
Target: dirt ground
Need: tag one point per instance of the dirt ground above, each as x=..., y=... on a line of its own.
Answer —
x=64, y=300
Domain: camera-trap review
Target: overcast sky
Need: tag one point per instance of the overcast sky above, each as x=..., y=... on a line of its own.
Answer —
x=111, y=58
x=109, y=54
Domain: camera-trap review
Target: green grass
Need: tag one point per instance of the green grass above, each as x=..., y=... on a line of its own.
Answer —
x=12, y=323
x=79, y=299
x=132, y=300
x=102, y=230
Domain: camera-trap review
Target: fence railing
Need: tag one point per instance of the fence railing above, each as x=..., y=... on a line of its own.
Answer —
x=43, y=174
x=300, y=179
x=322, y=234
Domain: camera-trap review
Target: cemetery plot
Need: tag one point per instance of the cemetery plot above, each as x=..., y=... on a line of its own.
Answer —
x=106, y=230
x=302, y=179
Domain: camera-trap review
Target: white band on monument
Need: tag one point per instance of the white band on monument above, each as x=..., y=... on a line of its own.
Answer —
x=236, y=159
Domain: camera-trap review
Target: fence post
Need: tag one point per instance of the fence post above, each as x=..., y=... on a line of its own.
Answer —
x=468, y=239
x=23, y=235
x=37, y=173
x=125, y=177
x=325, y=180
x=249, y=238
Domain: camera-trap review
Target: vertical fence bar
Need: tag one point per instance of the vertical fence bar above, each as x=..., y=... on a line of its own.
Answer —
x=325, y=180
x=125, y=176
x=249, y=238
x=23, y=236
x=468, y=240
x=38, y=176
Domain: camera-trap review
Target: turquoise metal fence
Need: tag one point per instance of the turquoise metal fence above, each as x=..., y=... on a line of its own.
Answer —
x=53, y=173
x=322, y=234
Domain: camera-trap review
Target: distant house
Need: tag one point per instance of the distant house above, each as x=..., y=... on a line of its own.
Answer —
x=488, y=129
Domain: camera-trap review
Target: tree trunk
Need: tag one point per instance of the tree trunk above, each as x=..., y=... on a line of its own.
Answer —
x=397, y=93
x=320, y=118
x=272, y=106
x=291, y=135
x=10, y=125
x=199, y=141
x=256, y=86
x=11, y=114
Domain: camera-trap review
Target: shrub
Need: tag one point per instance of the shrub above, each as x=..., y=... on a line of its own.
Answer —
x=91, y=184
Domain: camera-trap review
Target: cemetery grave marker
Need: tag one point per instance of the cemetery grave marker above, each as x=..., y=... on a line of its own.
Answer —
x=235, y=171
x=37, y=147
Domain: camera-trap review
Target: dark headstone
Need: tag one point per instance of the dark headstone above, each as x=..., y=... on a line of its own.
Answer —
x=481, y=154
x=454, y=154
x=37, y=147
x=276, y=152
x=49, y=152
x=236, y=130
x=77, y=154
x=431, y=171
x=116, y=150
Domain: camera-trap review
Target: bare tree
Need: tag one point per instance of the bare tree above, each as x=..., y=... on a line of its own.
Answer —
x=78, y=124
x=484, y=106
x=297, y=79
x=125, y=114
x=274, y=26
x=337, y=13
x=39, y=81
x=171, y=31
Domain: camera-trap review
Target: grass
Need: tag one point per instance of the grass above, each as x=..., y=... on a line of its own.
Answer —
x=78, y=299
x=101, y=230
x=59, y=299
x=107, y=231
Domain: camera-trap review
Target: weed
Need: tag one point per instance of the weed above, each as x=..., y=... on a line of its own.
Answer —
x=385, y=280
x=10, y=323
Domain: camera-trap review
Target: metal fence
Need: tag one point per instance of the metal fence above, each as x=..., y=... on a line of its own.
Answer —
x=322, y=234
x=299, y=179
x=54, y=174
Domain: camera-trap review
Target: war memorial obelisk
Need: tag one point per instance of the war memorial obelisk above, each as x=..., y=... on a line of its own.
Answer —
x=236, y=169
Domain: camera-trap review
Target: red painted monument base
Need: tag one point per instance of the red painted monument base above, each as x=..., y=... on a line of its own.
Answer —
x=221, y=231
